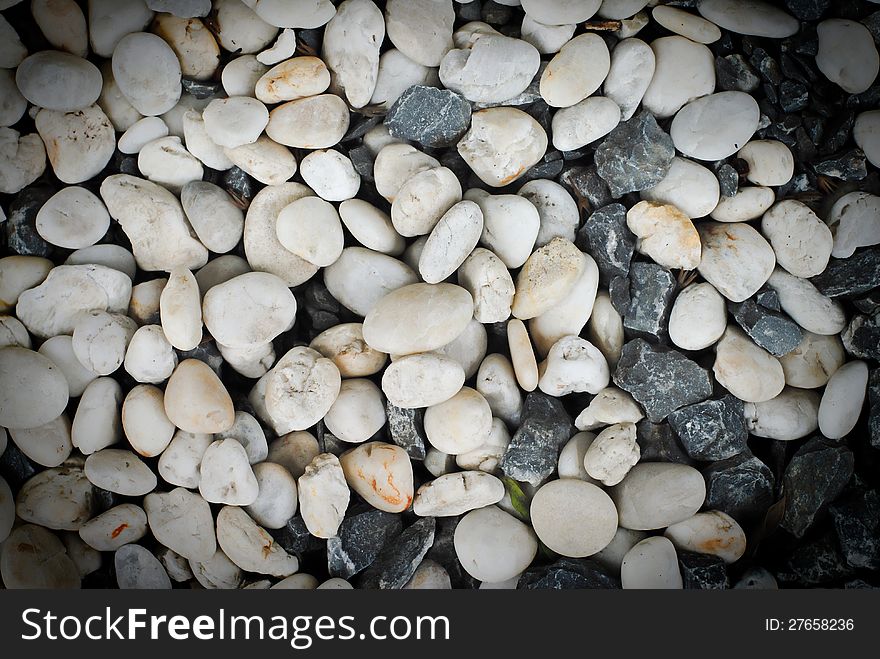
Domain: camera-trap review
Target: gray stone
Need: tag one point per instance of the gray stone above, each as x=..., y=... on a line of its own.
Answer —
x=21, y=226
x=659, y=443
x=702, y=571
x=587, y=186
x=874, y=403
x=858, y=274
x=713, y=429
x=661, y=379
x=775, y=332
x=851, y=166
x=566, y=574
x=857, y=525
x=728, y=180
x=651, y=291
x=433, y=117
x=546, y=427
x=407, y=430
x=360, y=538
x=733, y=73
x=768, y=298
x=807, y=10
x=635, y=156
x=605, y=236
x=815, y=563
x=861, y=338
x=618, y=291
x=399, y=559
x=295, y=538
x=741, y=486
x=443, y=552
x=814, y=478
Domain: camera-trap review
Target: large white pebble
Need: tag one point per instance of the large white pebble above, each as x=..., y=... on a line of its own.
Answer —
x=350, y=48
x=853, y=220
x=847, y=54
x=557, y=209
x=196, y=400
x=423, y=200
x=360, y=278
x=713, y=532
x=802, y=242
x=665, y=234
x=97, y=423
x=25, y=377
x=422, y=380
x=311, y=229
x=460, y=424
x=510, y=225
x=683, y=71
x=651, y=564
x=80, y=144
x=330, y=174
x=192, y=42
x=698, y=317
x=493, y=545
x=73, y=218
x=371, y=227
x=182, y=521
x=119, y=471
x=265, y=160
x=232, y=122
x=688, y=186
x=573, y=365
x=58, y=81
x=747, y=204
x=656, y=494
x=791, y=415
x=110, y=20
x=301, y=388
x=578, y=70
x=314, y=122
x=736, y=259
x=612, y=453
x=745, y=369
x=632, y=68
x=547, y=277
x=344, y=345
x=34, y=557
x=573, y=518
x=144, y=420
x=276, y=503
x=48, y=445
x=167, y=162
x=396, y=164
x=584, y=122
x=180, y=310
x=323, y=495
x=292, y=79
x=294, y=451
x=750, y=17
x=715, y=126
x=147, y=72
x=801, y=300
x=686, y=24
x=451, y=240
x=488, y=281
x=421, y=29
x=239, y=28
x=769, y=162
x=250, y=546
x=496, y=380
x=358, y=412
x=100, y=340
x=214, y=216
x=116, y=527
x=226, y=475
x=456, y=494
x=813, y=361
x=842, y=401
x=610, y=406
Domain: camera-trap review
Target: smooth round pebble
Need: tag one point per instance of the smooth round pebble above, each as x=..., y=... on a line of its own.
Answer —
x=573, y=518
x=492, y=545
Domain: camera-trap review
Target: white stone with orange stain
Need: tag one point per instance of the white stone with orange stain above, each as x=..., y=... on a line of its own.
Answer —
x=191, y=41
x=665, y=234
x=689, y=186
x=381, y=473
x=712, y=532
x=118, y=526
x=225, y=475
x=250, y=546
x=460, y=424
x=323, y=495
x=458, y=493
x=182, y=521
x=344, y=345
x=145, y=422
x=196, y=400
x=573, y=365
x=736, y=259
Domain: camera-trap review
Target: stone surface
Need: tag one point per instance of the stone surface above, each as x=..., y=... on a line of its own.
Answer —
x=652, y=288
x=711, y=430
x=396, y=563
x=545, y=428
x=430, y=116
x=359, y=540
x=769, y=329
x=635, y=156
x=606, y=237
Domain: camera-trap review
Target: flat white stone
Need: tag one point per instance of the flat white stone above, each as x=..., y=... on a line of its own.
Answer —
x=213, y=214
x=698, y=317
x=800, y=299
x=196, y=400
x=331, y=175
x=265, y=160
x=651, y=564
x=118, y=526
x=584, y=122
x=147, y=72
x=665, y=234
x=241, y=28
x=352, y=39
x=81, y=143
x=23, y=160
x=815, y=359
x=736, y=259
x=141, y=133
x=144, y=420
x=422, y=380
x=683, y=71
x=686, y=24
x=314, y=122
x=612, y=453
x=371, y=227
x=232, y=122
x=459, y=424
x=745, y=369
x=866, y=133
x=853, y=221
x=749, y=203
x=180, y=461
x=420, y=29
x=510, y=225
x=713, y=532
x=294, y=451
x=456, y=494
x=182, y=521
x=632, y=68
x=59, y=349
x=847, y=54
x=801, y=241
x=750, y=17
x=290, y=80
x=573, y=365
x=451, y=240
x=225, y=475
x=45, y=563
x=423, y=200
x=48, y=445
x=249, y=545
x=561, y=12
x=301, y=388
x=323, y=495
x=58, y=81
x=502, y=144
x=310, y=228
x=239, y=77
x=100, y=340
x=192, y=42
x=26, y=376
x=572, y=517
x=716, y=126
x=97, y=423
x=688, y=186
x=493, y=545
x=578, y=70
x=791, y=415
x=654, y=495
x=276, y=503
x=119, y=471
x=283, y=48
x=842, y=400
x=769, y=162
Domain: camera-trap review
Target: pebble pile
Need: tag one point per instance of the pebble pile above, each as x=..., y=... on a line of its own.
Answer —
x=439, y=294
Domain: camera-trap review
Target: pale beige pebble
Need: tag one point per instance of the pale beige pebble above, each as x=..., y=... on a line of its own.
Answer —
x=233, y=122
x=576, y=72
x=853, y=221
x=100, y=340
x=18, y=274
x=748, y=204
x=496, y=380
x=167, y=162
x=301, y=388
x=716, y=126
x=548, y=39
x=180, y=310
x=451, y=241
x=842, y=401
x=147, y=72
x=713, y=532
x=745, y=369
x=305, y=14
x=217, y=572
x=847, y=54
x=225, y=474
x=487, y=457
x=377, y=138
x=182, y=521
x=174, y=118
x=78, y=144
x=59, y=498
x=573, y=365
x=196, y=400
x=468, y=348
x=770, y=162
x=502, y=144
x=314, y=122
x=263, y=251
x=300, y=581
x=611, y=557
x=180, y=461
x=665, y=234
x=736, y=259
x=815, y=359
x=371, y=227
x=801, y=300
x=510, y=225
x=654, y=495
x=612, y=453
x=119, y=471
x=396, y=74
x=239, y=77
x=460, y=424
x=525, y=365
x=249, y=309
x=686, y=24
x=323, y=495
x=421, y=29
x=791, y=415
x=358, y=412
x=142, y=132
x=110, y=20
x=115, y=257
x=113, y=528
x=252, y=362
x=59, y=349
x=437, y=463
x=802, y=242
x=456, y=494
x=751, y=17
x=199, y=143
x=72, y=218
x=58, y=81
x=214, y=215
x=13, y=51
x=651, y=564
x=53, y=307
x=276, y=503
x=265, y=160
x=330, y=174
x=294, y=451
x=683, y=71
x=492, y=545
x=866, y=133
x=344, y=345
x=698, y=317
x=45, y=565
x=571, y=458
x=121, y=113
x=249, y=545
x=418, y=318
x=489, y=282
x=239, y=29
x=292, y=79
x=26, y=376
x=360, y=278
x=48, y=445
x=688, y=186
x=572, y=517
x=97, y=423
x=14, y=333
x=547, y=277
x=283, y=48
x=632, y=68
x=144, y=421
x=395, y=164
x=154, y=221
x=23, y=160
x=219, y=271
x=192, y=42
x=248, y=432
x=381, y=473
x=422, y=201
x=144, y=304
x=352, y=39
x=610, y=406
x=87, y=560
x=413, y=252
x=429, y=575
x=422, y=380
x=561, y=12
x=584, y=122
x=310, y=228
x=557, y=209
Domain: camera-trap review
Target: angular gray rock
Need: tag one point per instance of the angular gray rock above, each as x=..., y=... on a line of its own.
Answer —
x=651, y=292
x=546, y=426
x=360, y=538
x=605, y=236
x=407, y=430
x=713, y=429
x=741, y=486
x=400, y=558
x=775, y=332
x=635, y=156
x=433, y=117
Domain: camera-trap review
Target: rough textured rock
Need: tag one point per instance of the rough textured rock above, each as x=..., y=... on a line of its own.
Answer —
x=741, y=486
x=635, y=156
x=546, y=426
x=702, y=572
x=433, y=117
x=567, y=573
x=399, y=559
x=651, y=291
x=850, y=277
x=359, y=540
x=856, y=521
x=406, y=429
x=605, y=236
x=773, y=331
x=713, y=429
